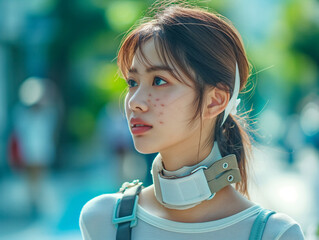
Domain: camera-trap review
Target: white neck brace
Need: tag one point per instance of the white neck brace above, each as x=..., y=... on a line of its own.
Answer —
x=190, y=185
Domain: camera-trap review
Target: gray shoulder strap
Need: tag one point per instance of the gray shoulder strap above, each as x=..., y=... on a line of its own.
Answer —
x=124, y=214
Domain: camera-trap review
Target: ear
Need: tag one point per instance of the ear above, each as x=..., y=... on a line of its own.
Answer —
x=215, y=102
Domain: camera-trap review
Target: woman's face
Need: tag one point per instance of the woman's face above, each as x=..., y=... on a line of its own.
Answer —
x=159, y=107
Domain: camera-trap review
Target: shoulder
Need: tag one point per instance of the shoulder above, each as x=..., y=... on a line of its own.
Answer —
x=96, y=217
x=100, y=204
x=282, y=227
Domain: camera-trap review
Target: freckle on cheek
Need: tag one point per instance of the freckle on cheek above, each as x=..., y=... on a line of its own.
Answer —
x=148, y=100
x=154, y=105
x=161, y=122
x=157, y=99
x=161, y=113
x=162, y=105
x=150, y=95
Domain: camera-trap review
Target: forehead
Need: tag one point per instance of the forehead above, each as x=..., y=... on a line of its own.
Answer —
x=146, y=54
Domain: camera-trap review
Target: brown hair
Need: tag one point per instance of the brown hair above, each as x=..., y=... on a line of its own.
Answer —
x=206, y=47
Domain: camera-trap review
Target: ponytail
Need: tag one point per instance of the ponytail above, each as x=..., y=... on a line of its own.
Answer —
x=233, y=139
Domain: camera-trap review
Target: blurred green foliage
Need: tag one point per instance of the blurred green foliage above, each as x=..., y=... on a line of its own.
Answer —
x=121, y=14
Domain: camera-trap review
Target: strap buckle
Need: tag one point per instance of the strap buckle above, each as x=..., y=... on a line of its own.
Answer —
x=128, y=185
x=130, y=218
x=199, y=168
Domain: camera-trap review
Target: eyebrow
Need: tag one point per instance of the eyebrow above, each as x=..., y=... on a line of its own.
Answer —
x=153, y=69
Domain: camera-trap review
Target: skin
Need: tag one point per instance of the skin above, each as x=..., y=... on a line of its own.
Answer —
x=167, y=104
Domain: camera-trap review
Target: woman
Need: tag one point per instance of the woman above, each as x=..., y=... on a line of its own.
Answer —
x=184, y=70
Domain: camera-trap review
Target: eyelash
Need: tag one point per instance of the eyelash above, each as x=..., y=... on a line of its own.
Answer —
x=130, y=81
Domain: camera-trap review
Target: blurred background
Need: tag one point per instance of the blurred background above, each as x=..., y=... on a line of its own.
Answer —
x=63, y=136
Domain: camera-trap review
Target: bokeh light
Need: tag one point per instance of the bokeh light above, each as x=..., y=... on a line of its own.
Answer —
x=31, y=91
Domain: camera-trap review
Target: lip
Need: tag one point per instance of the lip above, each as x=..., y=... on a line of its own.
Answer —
x=136, y=130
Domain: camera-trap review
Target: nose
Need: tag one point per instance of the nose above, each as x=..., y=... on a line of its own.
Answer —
x=138, y=101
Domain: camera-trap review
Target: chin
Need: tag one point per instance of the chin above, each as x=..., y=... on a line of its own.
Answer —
x=145, y=149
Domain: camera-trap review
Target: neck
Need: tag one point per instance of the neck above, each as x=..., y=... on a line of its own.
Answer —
x=190, y=151
x=176, y=159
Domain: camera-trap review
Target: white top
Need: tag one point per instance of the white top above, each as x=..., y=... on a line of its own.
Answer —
x=96, y=224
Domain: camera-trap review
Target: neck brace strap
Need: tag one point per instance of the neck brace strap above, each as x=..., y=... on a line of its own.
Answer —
x=201, y=184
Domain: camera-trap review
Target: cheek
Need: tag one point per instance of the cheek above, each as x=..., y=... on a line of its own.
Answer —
x=158, y=104
x=164, y=108
x=175, y=104
x=126, y=108
x=177, y=107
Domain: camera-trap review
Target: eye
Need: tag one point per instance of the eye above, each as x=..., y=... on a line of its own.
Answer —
x=131, y=83
x=159, y=81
